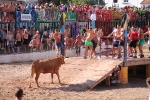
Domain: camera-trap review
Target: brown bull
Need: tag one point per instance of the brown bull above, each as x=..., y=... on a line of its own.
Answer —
x=46, y=66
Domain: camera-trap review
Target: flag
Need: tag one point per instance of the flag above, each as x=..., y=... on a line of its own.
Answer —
x=62, y=19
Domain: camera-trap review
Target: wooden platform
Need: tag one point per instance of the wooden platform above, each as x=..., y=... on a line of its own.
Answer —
x=85, y=72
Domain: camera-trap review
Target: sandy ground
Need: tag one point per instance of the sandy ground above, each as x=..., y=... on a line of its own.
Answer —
x=17, y=75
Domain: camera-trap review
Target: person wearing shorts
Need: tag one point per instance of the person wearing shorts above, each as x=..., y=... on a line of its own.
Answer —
x=88, y=43
x=10, y=41
x=133, y=36
x=78, y=45
x=141, y=42
x=58, y=44
x=18, y=41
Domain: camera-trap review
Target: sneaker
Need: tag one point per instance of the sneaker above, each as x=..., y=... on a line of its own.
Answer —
x=135, y=51
x=134, y=56
x=119, y=56
x=114, y=81
x=142, y=56
x=130, y=55
x=118, y=81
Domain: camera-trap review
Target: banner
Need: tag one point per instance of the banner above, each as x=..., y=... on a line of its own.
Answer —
x=71, y=16
x=26, y=17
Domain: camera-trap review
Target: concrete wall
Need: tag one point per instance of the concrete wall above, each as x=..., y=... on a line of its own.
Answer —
x=30, y=56
x=36, y=55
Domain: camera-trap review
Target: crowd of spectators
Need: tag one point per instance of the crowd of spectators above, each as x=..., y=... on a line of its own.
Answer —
x=50, y=11
x=31, y=40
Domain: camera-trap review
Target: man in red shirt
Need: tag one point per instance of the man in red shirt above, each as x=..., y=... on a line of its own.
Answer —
x=133, y=37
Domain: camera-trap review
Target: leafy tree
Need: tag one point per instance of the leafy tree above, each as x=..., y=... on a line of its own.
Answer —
x=78, y=2
x=89, y=2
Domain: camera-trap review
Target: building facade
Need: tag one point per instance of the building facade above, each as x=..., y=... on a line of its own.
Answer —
x=123, y=3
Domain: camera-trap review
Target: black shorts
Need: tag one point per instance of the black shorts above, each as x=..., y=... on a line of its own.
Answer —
x=26, y=41
x=133, y=43
x=43, y=41
x=4, y=41
x=121, y=43
x=1, y=40
x=116, y=43
x=77, y=49
x=52, y=40
x=94, y=44
x=18, y=44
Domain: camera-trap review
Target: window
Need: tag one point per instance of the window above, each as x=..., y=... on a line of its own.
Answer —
x=125, y=0
x=115, y=1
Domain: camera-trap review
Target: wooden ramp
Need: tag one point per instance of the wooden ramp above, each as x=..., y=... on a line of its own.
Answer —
x=89, y=72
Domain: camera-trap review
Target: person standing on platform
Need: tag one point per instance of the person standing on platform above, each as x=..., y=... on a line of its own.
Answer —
x=141, y=41
x=88, y=42
x=133, y=37
x=116, y=40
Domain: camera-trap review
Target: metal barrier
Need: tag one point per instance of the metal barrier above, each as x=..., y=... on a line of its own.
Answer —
x=47, y=25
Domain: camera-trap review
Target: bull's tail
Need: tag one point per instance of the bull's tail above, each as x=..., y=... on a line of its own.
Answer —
x=32, y=74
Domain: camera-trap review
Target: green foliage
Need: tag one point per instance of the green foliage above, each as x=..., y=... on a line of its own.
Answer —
x=78, y=2
x=89, y=2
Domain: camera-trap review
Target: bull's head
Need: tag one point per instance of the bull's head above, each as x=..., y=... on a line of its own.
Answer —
x=62, y=59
